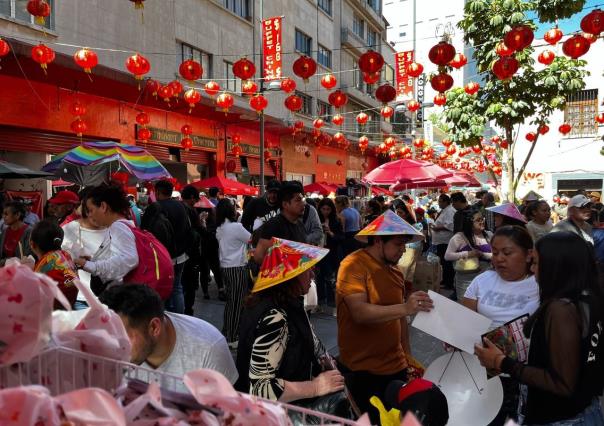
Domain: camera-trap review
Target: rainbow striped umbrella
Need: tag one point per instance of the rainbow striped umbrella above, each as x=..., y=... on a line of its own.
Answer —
x=93, y=162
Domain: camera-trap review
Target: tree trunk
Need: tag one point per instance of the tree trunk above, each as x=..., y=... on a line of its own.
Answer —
x=525, y=163
x=511, y=190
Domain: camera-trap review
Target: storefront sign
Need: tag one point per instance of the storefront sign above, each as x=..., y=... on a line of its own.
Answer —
x=271, y=43
x=170, y=137
x=254, y=150
x=404, y=82
x=421, y=83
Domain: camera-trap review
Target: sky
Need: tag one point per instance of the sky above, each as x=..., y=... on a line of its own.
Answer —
x=573, y=23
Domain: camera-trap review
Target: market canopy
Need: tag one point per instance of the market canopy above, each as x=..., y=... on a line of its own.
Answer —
x=92, y=163
x=17, y=171
x=226, y=186
x=405, y=172
x=322, y=188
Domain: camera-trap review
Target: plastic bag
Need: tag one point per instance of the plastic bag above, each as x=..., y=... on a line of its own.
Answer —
x=26, y=406
x=91, y=407
x=311, y=299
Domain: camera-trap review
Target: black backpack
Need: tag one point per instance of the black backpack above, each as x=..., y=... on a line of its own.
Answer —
x=155, y=221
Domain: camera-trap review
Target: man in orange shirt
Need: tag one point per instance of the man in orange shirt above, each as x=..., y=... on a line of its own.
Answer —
x=372, y=312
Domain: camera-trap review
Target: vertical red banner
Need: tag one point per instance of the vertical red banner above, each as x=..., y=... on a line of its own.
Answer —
x=271, y=46
x=404, y=82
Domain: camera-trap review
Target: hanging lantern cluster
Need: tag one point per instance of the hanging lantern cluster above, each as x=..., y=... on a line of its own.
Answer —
x=43, y=55
x=288, y=85
x=546, y=57
x=143, y=134
x=329, y=81
x=565, y=128
x=305, y=67
x=86, y=59
x=363, y=143
x=186, y=142
x=385, y=93
x=338, y=98
x=472, y=88
x=78, y=126
x=387, y=111
x=362, y=118
x=593, y=22
x=293, y=103
x=258, y=103
x=4, y=48
x=138, y=4
x=519, y=38
x=225, y=101
x=440, y=99
x=192, y=97
x=575, y=46
x=249, y=87
x=505, y=67
x=337, y=119
x=553, y=36
x=138, y=65
x=236, y=147
x=458, y=61
x=212, y=88
x=40, y=10
x=190, y=70
x=371, y=62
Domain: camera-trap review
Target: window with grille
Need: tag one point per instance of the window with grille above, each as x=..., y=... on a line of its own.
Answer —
x=325, y=6
x=372, y=37
x=357, y=77
x=306, y=103
x=374, y=4
x=239, y=7
x=303, y=43
x=325, y=111
x=233, y=84
x=581, y=108
x=204, y=58
x=358, y=26
x=324, y=56
x=17, y=9
x=388, y=74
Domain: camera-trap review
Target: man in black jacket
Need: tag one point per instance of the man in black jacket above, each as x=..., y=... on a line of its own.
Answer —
x=190, y=275
x=262, y=208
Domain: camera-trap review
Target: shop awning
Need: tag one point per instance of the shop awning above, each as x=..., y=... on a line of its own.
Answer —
x=226, y=186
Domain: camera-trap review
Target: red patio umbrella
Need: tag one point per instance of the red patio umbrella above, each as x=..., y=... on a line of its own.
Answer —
x=226, y=186
x=473, y=181
x=405, y=171
x=322, y=188
x=376, y=190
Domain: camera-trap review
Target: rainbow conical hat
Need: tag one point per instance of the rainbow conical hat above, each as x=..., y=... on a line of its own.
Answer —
x=389, y=224
x=285, y=260
x=532, y=196
x=509, y=210
x=204, y=203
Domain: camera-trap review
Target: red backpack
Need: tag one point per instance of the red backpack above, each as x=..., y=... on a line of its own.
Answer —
x=155, y=267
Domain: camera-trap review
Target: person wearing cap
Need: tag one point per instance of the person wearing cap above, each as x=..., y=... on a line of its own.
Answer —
x=578, y=213
x=372, y=310
x=279, y=357
x=259, y=210
x=65, y=203
x=31, y=218
x=595, y=197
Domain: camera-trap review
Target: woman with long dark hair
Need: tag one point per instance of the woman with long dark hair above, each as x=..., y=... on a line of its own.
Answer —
x=539, y=215
x=328, y=267
x=15, y=234
x=564, y=375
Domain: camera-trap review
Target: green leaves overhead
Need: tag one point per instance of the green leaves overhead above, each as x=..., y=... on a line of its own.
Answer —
x=552, y=10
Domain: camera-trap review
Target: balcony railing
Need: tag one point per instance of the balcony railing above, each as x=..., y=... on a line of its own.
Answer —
x=351, y=39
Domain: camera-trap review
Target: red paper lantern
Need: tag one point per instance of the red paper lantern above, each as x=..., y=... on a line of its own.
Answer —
x=338, y=98
x=288, y=85
x=593, y=22
x=43, y=55
x=143, y=134
x=211, y=88
x=166, y=92
x=600, y=118
x=339, y=137
x=442, y=53
x=451, y=149
x=504, y=144
x=258, y=103
x=363, y=143
x=152, y=86
x=138, y=65
x=543, y=129
x=519, y=37
x=553, y=36
x=458, y=61
x=447, y=142
x=316, y=133
x=440, y=99
x=387, y=111
x=329, y=81
x=502, y=49
x=546, y=57
x=390, y=142
x=186, y=143
x=472, y=88
x=337, y=119
x=531, y=136
x=4, y=48
x=87, y=59
x=138, y=4
x=318, y=123
x=225, y=101
x=142, y=118
x=267, y=155
x=293, y=103
x=565, y=128
x=413, y=105
x=120, y=178
x=305, y=67
x=371, y=77
x=575, y=46
x=504, y=68
x=40, y=9
x=307, y=154
x=362, y=118
x=371, y=61
x=415, y=69
x=441, y=82
x=192, y=97
x=339, y=162
x=78, y=126
x=77, y=109
x=176, y=87
x=244, y=69
x=190, y=70
x=385, y=93
x=298, y=125
x=236, y=150
x=236, y=138
x=364, y=165
x=476, y=149
x=249, y=87
x=186, y=130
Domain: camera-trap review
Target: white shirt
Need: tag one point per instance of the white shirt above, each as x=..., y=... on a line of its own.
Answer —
x=445, y=218
x=122, y=257
x=502, y=301
x=232, y=243
x=198, y=345
x=537, y=231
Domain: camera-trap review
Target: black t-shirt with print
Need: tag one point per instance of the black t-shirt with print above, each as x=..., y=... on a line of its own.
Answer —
x=280, y=227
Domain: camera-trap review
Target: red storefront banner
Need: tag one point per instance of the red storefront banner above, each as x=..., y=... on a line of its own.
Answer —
x=271, y=43
x=404, y=82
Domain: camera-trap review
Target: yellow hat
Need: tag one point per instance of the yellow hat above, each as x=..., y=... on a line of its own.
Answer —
x=389, y=224
x=285, y=260
x=595, y=195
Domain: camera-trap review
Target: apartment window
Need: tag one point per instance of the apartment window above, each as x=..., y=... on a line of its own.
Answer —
x=388, y=74
x=358, y=26
x=325, y=111
x=581, y=108
x=233, y=84
x=372, y=37
x=239, y=7
x=204, y=58
x=303, y=43
x=357, y=77
x=306, y=103
x=324, y=56
x=403, y=34
x=325, y=6
x=374, y=4
x=17, y=9
x=369, y=89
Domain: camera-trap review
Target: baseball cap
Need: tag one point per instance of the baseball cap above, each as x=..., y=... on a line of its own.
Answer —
x=421, y=397
x=595, y=194
x=579, y=201
x=65, y=197
x=273, y=185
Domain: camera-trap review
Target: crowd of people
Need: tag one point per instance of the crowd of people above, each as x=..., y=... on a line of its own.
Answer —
x=500, y=260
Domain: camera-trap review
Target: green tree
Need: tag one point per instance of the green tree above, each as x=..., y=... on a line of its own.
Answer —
x=532, y=94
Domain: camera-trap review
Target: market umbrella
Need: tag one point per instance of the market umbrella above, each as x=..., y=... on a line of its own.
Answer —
x=405, y=171
x=322, y=188
x=469, y=176
x=93, y=162
x=456, y=179
x=16, y=171
x=226, y=186
x=376, y=190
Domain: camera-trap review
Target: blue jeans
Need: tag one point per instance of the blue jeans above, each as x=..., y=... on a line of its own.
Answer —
x=591, y=416
x=79, y=305
x=176, y=301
